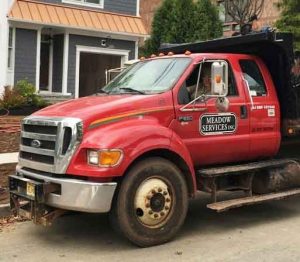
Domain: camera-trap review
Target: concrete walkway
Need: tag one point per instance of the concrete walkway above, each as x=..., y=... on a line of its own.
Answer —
x=9, y=158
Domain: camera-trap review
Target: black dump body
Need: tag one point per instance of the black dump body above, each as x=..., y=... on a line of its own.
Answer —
x=275, y=49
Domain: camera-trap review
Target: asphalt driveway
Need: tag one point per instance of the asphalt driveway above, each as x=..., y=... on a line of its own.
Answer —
x=267, y=232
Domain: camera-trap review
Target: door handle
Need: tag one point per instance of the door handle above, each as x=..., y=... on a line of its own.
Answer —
x=244, y=112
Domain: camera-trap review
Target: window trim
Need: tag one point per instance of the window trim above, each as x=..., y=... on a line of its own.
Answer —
x=83, y=3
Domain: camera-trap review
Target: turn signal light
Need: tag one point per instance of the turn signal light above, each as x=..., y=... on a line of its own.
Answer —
x=218, y=79
x=109, y=158
x=105, y=158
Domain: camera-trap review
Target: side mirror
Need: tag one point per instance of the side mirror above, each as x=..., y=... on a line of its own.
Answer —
x=219, y=78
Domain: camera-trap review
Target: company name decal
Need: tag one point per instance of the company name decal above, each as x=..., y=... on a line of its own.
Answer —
x=217, y=124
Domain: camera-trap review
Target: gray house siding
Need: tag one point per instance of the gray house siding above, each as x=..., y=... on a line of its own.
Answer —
x=118, y=6
x=58, y=47
x=25, y=55
x=121, y=6
x=93, y=42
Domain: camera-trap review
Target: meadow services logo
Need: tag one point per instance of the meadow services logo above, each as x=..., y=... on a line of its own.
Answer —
x=217, y=124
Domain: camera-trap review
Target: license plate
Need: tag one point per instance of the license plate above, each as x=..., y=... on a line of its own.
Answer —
x=30, y=190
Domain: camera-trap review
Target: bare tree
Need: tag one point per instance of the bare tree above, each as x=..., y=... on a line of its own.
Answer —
x=244, y=12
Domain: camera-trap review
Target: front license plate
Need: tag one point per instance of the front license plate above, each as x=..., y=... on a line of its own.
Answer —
x=30, y=190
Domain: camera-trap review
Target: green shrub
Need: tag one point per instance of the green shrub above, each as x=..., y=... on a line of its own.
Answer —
x=12, y=99
x=25, y=89
x=38, y=101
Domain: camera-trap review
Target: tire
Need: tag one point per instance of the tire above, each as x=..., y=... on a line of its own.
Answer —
x=151, y=203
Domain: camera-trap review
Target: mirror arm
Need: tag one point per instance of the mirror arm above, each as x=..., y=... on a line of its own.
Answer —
x=184, y=108
x=249, y=92
x=198, y=80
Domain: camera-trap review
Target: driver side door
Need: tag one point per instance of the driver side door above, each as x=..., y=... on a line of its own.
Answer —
x=213, y=137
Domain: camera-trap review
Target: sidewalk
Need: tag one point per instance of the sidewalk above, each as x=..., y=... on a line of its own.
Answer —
x=9, y=158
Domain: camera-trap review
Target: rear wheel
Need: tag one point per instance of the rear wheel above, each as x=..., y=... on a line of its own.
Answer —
x=152, y=202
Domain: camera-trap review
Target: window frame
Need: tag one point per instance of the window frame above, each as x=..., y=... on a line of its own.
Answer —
x=260, y=75
x=10, y=48
x=84, y=3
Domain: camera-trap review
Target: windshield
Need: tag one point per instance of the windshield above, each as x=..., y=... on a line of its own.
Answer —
x=148, y=77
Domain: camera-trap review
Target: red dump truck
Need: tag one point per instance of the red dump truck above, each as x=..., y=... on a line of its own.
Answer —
x=213, y=116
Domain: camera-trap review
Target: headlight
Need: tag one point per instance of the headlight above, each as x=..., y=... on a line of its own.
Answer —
x=105, y=157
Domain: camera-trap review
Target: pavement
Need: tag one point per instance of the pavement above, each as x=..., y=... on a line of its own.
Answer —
x=266, y=232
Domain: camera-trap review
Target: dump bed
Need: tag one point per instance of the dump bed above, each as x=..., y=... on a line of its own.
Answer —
x=275, y=49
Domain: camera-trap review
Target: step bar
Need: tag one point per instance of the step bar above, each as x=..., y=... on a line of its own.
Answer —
x=257, y=199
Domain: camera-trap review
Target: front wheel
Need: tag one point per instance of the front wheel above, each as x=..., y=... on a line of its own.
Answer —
x=152, y=202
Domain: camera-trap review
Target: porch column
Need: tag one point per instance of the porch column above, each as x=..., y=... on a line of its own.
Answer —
x=65, y=64
x=136, y=51
x=38, y=59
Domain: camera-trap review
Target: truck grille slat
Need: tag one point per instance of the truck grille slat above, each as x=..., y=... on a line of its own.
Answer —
x=45, y=152
x=48, y=143
x=38, y=136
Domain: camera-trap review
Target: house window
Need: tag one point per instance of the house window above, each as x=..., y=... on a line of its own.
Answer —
x=10, y=48
x=90, y=3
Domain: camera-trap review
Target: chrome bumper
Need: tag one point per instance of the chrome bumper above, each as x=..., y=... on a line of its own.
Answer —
x=77, y=195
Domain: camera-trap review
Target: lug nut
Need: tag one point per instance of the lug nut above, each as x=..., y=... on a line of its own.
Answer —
x=149, y=197
x=150, y=212
x=147, y=205
x=165, y=193
x=162, y=213
x=159, y=189
x=168, y=200
x=153, y=191
x=167, y=208
x=155, y=215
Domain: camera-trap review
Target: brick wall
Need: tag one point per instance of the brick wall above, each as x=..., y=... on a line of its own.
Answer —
x=269, y=16
x=147, y=10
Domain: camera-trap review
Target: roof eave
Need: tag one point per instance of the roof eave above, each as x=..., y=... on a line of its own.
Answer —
x=77, y=28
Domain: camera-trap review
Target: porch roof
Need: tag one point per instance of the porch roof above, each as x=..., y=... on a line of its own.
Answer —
x=33, y=12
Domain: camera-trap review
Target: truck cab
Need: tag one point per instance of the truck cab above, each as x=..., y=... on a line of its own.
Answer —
x=166, y=127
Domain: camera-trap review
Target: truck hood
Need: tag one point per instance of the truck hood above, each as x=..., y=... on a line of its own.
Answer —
x=94, y=108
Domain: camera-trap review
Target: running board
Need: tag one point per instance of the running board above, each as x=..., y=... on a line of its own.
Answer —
x=234, y=203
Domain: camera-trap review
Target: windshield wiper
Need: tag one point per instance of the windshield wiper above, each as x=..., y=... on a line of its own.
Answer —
x=132, y=90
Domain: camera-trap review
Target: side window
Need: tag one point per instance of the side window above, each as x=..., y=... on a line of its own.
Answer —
x=187, y=93
x=254, y=78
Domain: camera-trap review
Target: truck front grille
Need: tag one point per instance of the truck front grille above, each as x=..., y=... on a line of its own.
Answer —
x=47, y=144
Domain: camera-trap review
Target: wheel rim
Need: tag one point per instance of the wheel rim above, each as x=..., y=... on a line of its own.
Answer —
x=153, y=202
